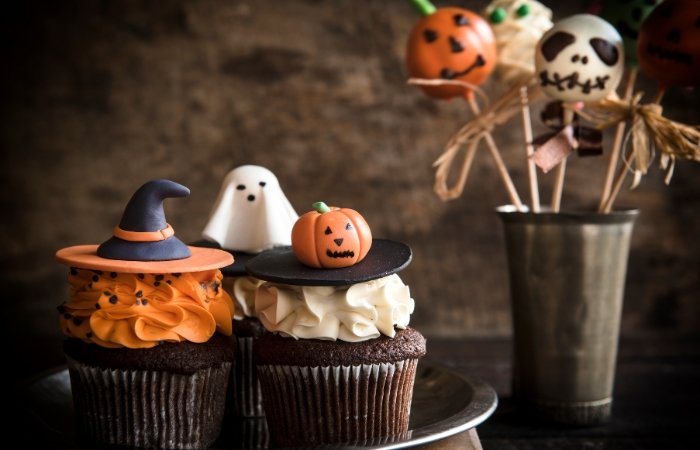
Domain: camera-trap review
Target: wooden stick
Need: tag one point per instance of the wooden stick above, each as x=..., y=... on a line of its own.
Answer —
x=500, y=165
x=529, y=150
x=617, y=144
x=622, y=173
x=561, y=171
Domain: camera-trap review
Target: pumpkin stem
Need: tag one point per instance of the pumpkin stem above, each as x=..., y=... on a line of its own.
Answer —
x=424, y=7
x=321, y=207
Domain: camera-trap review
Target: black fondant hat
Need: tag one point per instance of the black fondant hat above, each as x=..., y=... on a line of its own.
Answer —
x=143, y=233
x=144, y=241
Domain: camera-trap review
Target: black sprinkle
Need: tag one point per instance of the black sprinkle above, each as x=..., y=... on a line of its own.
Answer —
x=113, y=274
x=177, y=275
x=113, y=299
x=156, y=283
x=144, y=302
x=169, y=282
x=97, y=306
x=89, y=286
x=107, y=293
x=95, y=278
x=73, y=271
x=67, y=315
x=139, y=294
x=77, y=321
x=159, y=277
x=140, y=275
x=61, y=309
x=88, y=334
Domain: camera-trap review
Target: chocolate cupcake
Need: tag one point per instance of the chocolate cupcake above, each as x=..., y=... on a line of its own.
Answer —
x=149, y=346
x=251, y=215
x=340, y=362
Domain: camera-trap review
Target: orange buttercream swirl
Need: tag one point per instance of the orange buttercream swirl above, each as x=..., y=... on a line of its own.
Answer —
x=143, y=310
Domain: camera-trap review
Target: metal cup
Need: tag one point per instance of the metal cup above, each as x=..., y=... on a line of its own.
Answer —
x=567, y=279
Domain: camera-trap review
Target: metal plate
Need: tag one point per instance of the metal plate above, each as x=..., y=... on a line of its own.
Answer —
x=445, y=403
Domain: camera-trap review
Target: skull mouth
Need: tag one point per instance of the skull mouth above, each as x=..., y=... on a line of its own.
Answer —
x=449, y=74
x=572, y=81
x=343, y=254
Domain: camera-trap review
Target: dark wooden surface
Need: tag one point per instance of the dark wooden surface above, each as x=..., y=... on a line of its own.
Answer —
x=656, y=398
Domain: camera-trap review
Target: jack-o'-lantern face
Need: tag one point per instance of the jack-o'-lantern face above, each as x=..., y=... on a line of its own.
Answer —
x=580, y=59
x=451, y=44
x=331, y=238
x=668, y=47
x=627, y=17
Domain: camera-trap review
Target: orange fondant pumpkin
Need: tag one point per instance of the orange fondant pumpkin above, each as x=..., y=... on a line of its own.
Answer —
x=331, y=238
x=451, y=44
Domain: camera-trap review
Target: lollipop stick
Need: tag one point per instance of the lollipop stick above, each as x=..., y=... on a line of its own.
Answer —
x=617, y=185
x=502, y=170
x=529, y=150
x=617, y=144
x=561, y=171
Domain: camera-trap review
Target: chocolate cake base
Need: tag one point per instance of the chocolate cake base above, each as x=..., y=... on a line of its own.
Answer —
x=324, y=392
x=127, y=400
x=245, y=397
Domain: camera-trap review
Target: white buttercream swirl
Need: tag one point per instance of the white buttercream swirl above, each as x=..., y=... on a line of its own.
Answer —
x=244, y=289
x=353, y=313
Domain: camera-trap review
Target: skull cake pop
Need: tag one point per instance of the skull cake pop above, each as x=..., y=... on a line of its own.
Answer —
x=580, y=58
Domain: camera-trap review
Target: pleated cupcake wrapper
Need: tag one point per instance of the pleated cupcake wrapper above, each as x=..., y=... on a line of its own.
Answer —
x=244, y=391
x=154, y=409
x=314, y=405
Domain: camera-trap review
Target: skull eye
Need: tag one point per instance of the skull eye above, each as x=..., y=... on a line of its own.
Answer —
x=460, y=20
x=555, y=44
x=328, y=231
x=348, y=226
x=606, y=51
x=241, y=187
x=430, y=36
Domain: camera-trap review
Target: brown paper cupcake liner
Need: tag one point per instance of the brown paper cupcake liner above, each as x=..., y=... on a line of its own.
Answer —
x=154, y=409
x=321, y=405
x=244, y=390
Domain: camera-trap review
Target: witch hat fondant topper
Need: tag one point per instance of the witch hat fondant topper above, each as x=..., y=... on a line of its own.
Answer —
x=144, y=242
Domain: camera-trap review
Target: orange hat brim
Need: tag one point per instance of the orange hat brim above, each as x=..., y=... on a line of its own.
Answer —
x=85, y=257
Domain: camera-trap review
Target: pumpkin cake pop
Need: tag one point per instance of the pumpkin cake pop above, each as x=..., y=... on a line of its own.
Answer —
x=148, y=328
x=334, y=331
x=251, y=214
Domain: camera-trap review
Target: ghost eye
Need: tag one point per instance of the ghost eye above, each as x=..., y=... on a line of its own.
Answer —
x=328, y=230
x=498, y=15
x=430, y=36
x=348, y=227
x=460, y=20
x=262, y=184
x=240, y=187
x=523, y=11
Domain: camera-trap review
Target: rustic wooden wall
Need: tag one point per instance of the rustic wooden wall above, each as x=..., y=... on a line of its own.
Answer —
x=98, y=97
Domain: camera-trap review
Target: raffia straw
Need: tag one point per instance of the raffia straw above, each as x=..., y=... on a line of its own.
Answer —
x=649, y=132
x=469, y=136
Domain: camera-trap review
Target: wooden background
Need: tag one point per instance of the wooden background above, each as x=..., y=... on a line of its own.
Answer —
x=100, y=96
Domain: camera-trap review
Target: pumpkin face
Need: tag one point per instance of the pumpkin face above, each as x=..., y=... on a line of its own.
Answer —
x=331, y=239
x=451, y=44
x=627, y=16
x=668, y=47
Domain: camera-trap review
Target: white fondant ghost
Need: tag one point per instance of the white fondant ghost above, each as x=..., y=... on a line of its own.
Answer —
x=580, y=59
x=251, y=213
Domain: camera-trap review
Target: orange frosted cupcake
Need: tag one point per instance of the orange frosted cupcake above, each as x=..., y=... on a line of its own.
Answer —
x=149, y=346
